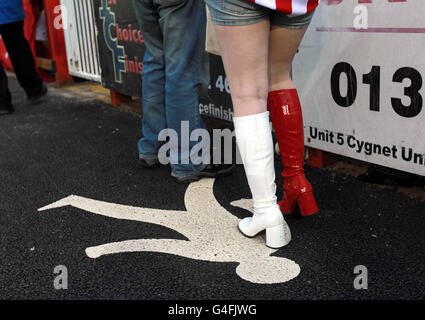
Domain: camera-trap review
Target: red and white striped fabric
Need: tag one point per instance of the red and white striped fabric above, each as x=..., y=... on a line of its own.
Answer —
x=292, y=7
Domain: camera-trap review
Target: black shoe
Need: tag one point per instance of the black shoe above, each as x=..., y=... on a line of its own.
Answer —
x=211, y=171
x=149, y=163
x=36, y=98
x=6, y=110
x=217, y=170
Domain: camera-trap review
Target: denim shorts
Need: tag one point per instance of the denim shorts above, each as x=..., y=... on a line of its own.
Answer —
x=243, y=12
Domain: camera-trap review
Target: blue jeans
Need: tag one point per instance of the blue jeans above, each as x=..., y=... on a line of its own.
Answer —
x=174, y=71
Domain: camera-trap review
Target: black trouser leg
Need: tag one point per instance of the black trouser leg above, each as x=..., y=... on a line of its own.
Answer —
x=21, y=56
x=5, y=97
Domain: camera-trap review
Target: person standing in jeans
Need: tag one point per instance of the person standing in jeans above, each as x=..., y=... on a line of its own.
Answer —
x=173, y=74
x=12, y=17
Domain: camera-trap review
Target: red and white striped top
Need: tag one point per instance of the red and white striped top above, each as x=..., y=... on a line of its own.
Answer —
x=292, y=7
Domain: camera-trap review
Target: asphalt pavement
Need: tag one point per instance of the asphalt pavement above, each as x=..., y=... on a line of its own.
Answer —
x=67, y=146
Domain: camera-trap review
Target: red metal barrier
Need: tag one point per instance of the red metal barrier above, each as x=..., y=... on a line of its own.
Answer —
x=118, y=98
x=57, y=42
x=320, y=159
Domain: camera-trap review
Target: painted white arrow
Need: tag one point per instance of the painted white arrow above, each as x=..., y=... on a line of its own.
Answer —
x=211, y=230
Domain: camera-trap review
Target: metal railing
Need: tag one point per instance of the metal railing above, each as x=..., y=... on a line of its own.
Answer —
x=81, y=40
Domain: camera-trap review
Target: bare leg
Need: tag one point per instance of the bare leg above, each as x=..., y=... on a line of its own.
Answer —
x=245, y=53
x=283, y=46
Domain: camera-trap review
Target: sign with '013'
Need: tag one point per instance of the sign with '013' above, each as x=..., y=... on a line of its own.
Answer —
x=360, y=72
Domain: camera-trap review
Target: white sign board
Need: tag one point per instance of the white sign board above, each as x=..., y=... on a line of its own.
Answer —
x=363, y=90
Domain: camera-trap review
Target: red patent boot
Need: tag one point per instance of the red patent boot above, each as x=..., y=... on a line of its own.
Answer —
x=285, y=110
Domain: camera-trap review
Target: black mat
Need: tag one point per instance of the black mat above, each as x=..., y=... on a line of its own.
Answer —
x=66, y=146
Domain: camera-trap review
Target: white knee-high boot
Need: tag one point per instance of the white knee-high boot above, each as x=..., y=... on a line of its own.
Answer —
x=255, y=143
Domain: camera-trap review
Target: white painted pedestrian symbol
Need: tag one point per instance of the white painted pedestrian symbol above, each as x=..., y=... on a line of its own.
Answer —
x=211, y=230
